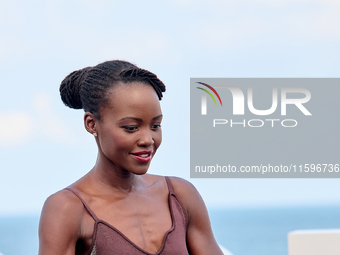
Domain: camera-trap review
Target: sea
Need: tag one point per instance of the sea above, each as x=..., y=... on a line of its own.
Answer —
x=243, y=231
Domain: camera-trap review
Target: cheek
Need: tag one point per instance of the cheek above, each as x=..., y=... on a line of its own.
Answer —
x=158, y=138
x=120, y=142
x=116, y=141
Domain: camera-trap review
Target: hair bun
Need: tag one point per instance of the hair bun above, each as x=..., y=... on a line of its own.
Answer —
x=142, y=75
x=70, y=87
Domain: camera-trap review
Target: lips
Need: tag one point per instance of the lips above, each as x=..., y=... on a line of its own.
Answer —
x=142, y=156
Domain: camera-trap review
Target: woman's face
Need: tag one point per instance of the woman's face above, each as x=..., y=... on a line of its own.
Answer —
x=129, y=131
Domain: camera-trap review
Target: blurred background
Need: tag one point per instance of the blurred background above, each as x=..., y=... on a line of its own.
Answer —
x=44, y=146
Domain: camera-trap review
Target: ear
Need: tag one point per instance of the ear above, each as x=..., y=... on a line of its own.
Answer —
x=90, y=122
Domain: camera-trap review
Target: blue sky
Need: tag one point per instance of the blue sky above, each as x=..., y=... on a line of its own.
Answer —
x=43, y=145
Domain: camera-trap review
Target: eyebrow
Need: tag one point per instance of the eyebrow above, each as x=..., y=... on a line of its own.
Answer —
x=139, y=119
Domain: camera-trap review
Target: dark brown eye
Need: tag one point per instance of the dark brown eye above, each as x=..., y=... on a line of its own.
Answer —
x=130, y=128
x=156, y=126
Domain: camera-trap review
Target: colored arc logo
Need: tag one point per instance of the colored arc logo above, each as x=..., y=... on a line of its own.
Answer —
x=209, y=92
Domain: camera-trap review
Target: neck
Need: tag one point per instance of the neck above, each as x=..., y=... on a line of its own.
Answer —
x=111, y=177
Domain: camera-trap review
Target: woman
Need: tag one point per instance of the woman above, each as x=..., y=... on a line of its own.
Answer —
x=117, y=208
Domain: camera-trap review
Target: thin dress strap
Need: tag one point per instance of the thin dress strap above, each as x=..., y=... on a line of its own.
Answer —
x=168, y=182
x=85, y=205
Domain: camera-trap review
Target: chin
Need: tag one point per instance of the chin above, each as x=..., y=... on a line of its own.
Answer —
x=140, y=170
x=141, y=173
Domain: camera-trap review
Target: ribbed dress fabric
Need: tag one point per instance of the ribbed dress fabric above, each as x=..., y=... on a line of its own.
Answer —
x=107, y=240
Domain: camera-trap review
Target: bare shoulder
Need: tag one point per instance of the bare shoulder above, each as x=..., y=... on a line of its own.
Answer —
x=188, y=195
x=61, y=203
x=200, y=238
x=60, y=223
x=182, y=185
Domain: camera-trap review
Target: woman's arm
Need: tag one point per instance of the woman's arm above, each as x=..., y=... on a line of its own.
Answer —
x=200, y=238
x=60, y=224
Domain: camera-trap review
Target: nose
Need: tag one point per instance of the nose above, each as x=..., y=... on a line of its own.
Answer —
x=146, y=138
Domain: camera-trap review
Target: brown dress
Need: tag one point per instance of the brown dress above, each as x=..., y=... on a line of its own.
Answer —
x=107, y=240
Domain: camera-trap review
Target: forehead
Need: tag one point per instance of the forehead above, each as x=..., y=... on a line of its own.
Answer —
x=132, y=99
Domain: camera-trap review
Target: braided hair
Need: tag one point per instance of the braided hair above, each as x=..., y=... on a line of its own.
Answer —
x=87, y=88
